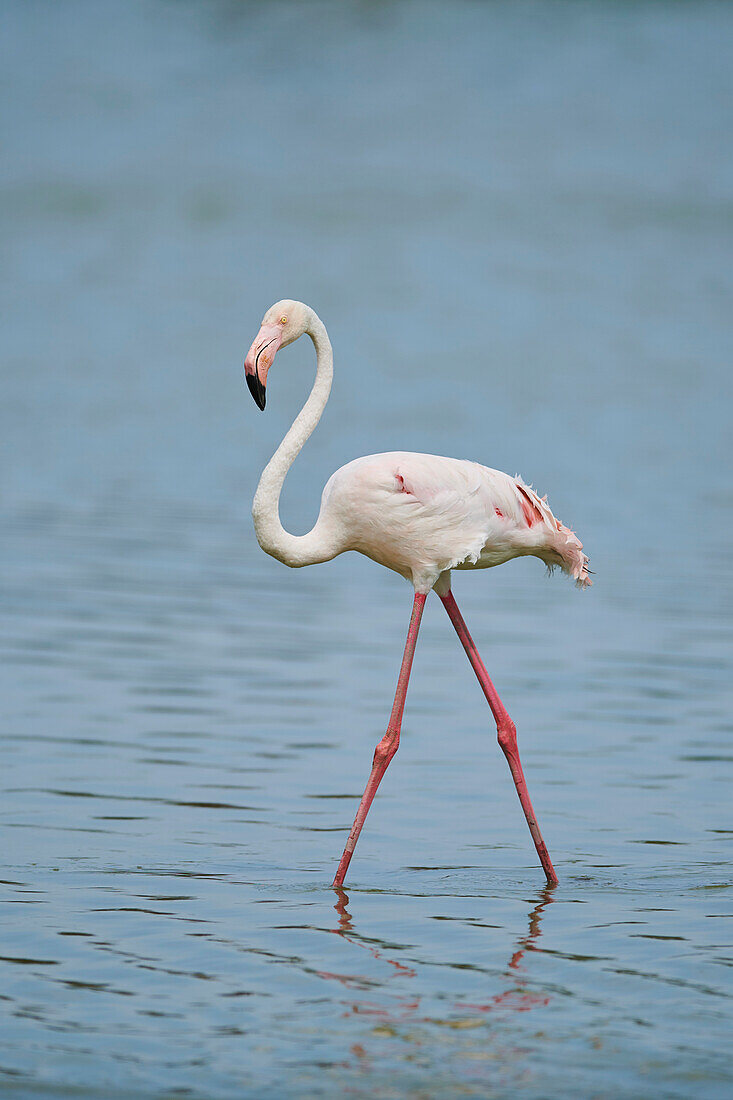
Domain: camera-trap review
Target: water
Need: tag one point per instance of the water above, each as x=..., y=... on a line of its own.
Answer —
x=516, y=222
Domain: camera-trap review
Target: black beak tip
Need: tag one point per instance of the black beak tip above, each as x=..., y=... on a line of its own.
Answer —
x=257, y=390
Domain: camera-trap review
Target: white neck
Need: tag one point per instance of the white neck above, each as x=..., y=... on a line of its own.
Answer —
x=319, y=544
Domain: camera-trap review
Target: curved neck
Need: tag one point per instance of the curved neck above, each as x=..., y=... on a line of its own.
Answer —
x=316, y=546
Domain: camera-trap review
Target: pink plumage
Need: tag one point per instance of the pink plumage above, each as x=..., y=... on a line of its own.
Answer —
x=420, y=515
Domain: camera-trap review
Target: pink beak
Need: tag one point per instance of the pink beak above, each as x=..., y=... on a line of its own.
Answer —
x=259, y=360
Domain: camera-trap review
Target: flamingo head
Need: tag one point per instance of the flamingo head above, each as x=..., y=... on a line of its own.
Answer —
x=282, y=324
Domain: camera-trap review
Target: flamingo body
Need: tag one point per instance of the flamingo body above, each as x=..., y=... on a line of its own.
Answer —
x=423, y=515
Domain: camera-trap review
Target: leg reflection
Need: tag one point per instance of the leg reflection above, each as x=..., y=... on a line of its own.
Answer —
x=384, y=1006
x=346, y=929
x=518, y=998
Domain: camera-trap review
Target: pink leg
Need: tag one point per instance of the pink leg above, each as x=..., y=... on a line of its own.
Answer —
x=389, y=744
x=506, y=730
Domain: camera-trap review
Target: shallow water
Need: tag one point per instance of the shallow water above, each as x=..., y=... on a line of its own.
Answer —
x=515, y=221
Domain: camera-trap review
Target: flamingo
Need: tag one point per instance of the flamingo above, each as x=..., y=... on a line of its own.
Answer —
x=418, y=514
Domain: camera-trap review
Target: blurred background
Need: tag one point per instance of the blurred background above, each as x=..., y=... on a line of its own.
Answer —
x=515, y=220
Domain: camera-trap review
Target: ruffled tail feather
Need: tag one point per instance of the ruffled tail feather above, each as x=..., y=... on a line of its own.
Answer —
x=573, y=561
x=557, y=544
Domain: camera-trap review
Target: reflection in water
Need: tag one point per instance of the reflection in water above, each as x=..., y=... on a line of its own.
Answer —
x=516, y=999
x=346, y=929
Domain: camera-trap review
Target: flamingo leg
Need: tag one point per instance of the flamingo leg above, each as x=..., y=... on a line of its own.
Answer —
x=507, y=733
x=389, y=744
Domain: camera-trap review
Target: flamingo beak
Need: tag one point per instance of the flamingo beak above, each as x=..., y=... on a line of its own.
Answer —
x=259, y=360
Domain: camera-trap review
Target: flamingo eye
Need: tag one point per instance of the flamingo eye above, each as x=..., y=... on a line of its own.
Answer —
x=283, y=320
